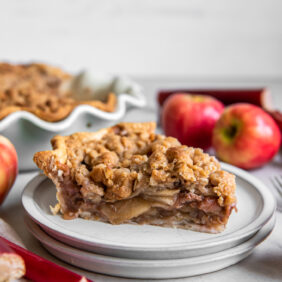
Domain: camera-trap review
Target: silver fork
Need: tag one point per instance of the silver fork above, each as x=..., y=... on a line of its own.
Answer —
x=277, y=183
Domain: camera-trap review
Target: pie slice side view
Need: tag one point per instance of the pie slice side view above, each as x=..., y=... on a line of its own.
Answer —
x=129, y=174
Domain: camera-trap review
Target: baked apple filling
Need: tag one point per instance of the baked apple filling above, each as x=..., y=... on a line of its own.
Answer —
x=129, y=174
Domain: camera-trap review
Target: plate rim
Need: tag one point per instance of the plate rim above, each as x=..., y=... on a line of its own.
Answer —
x=269, y=207
x=246, y=246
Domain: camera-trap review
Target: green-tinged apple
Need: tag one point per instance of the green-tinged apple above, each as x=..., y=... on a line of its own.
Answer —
x=8, y=166
x=191, y=118
x=246, y=136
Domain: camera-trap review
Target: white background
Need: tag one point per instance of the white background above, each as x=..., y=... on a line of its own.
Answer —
x=214, y=39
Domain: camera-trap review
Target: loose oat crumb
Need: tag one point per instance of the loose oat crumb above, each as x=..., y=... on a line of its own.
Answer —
x=55, y=209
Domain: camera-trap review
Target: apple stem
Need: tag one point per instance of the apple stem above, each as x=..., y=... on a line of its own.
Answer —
x=231, y=131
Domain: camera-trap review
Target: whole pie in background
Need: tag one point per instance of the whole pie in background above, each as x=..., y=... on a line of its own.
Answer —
x=129, y=174
x=42, y=90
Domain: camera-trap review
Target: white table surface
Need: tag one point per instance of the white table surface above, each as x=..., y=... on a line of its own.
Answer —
x=264, y=264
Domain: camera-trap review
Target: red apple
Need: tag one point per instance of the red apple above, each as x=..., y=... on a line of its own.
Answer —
x=191, y=118
x=8, y=166
x=246, y=136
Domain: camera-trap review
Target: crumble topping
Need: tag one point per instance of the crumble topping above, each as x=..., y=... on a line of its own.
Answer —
x=41, y=90
x=123, y=162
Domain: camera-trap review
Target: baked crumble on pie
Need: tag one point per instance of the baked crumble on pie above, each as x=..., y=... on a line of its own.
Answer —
x=129, y=174
x=41, y=90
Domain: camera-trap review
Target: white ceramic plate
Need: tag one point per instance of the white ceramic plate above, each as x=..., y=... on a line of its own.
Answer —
x=30, y=134
x=148, y=269
x=256, y=205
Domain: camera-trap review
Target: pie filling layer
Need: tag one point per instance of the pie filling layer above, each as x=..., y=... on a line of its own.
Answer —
x=164, y=207
x=129, y=174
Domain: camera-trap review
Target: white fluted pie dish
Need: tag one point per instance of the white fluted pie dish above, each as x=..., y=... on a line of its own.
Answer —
x=30, y=134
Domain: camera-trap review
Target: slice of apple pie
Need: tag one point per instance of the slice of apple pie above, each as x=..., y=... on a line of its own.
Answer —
x=129, y=174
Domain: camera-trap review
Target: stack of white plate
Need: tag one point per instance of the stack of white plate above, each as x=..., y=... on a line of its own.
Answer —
x=149, y=251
